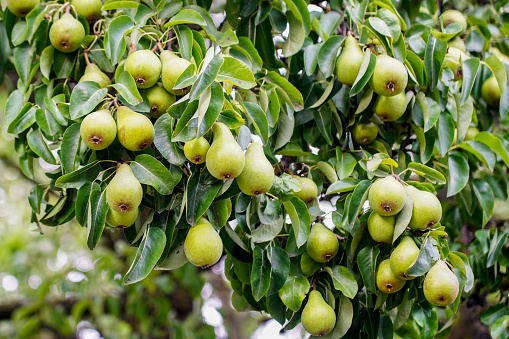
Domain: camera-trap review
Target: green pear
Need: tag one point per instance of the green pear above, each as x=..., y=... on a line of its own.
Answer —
x=121, y=219
x=390, y=76
x=458, y=43
x=98, y=129
x=67, y=34
x=453, y=59
x=90, y=9
x=386, y=281
x=441, y=287
x=160, y=100
x=381, y=228
x=390, y=108
x=309, y=190
x=387, y=196
x=411, y=190
x=318, y=318
x=173, y=67
x=490, y=91
x=365, y=133
x=453, y=16
x=124, y=191
x=21, y=7
x=427, y=211
x=403, y=256
x=94, y=73
x=225, y=158
x=145, y=68
x=203, y=246
x=500, y=210
x=257, y=176
x=135, y=131
x=349, y=62
x=471, y=133
x=322, y=243
x=196, y=150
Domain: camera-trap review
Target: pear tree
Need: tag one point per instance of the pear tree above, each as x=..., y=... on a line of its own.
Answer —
x=329, y=156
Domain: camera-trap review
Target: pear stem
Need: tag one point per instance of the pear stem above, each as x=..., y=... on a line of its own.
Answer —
x=314, y=284
x=68, y=8
x=272, y=196
x=85, y=55
x=159, y=46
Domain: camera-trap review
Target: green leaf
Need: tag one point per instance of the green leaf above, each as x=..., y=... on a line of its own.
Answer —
x=162, y=140
x=458, y=173
x=469, y=68
x=427, y=257
x=126, y=87
x=260, y=273
x=202, y=188
x=311, y=58
x=366, y=261
x=259, y=120
x=343, y=280
x=430, y=110
x=501, y=72
x=433, y=59
x=342, y=186
x=494, y=313
x=236, y=72
x=485, y=197
x=301, y=220
x=280, y=267
x=450, y=32
x=499, y=327
x=148, y=254
x=47, y=122
x=119, y=4
x=327, y=54
x=445, y=132
x=83, y=202
x=114, y=41
x=214, y=109
x=23, y=120
x=403, y=218
x=186, y=16
x=365, y=72
x=85, y=97
x=323, y=120
x=70, y=145
x=496, y=144
x=218, y=214
x=152, y=172
x=14, y=105
x=345, y=163
x=38, y=144
x=267, y=232
x=96, y=216
x=35, y=198
x=293, y=93
x=294, y=291
x=496, y=245
x=23, y=62
x=206, y=77
x=427, y=172
x=359, y=196
x=77, y=178
x=481, y=152
x=296, y=36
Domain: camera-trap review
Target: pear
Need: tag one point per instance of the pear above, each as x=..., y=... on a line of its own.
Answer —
x=403, y=256
x=90, y=9
x=309, y=190
x=490, y=91
x=322, y=243
x=427, y=211
x=121, y=220
x=441, y=286
x=453, y=59
x=500, y=210
x=318, y=318
x=196, y=150
x=124, y=191
x=390, y=108
x=98, y=130
x=365, y=133
x=135, y=131
x=225, y=158
x=160, y=100
x=257, y=176
x=458, y=43
x=145, y=68
x=411, y=190
x=381, y=228
x=349, y=62
x=173, y=67
x=471, y=133
x=21, y=7
x=94, y=73
x=67, y=34
x=390, y=76
x=203, y=246
x=453, y=16
x=387, y=196
x=386, y=281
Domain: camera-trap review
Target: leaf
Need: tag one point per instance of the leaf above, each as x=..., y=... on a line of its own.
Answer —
x=480, y=151
x=38, y=144
x=496, y=144
x=359, y=195
x=114, y=41
x=96, y=216
x=501, y=72
x=296, y=36
x=126, y=87
x=496, y=245
x=206, y=77
x=186, y=16
x=366, y=261
x=427, y=172
x=433, y=59
x=162, y=140
x=259, y=120
x=23, y=62
x=469, y=68
x=260, y=273
x=445, y=132
x=311, y=58
x=327, y=54
x=236, y=72
x=151, y=172
x=342, y=186
x=365, y=72
x=85, y=97
x=328, y=171
x=343, y=280
x=427, y=257
x=280, y=267
x=294, y=291
x=292, y=92
x=301, y=220
x=458, y=173
x=148, y=254
x=323, y=120
x=46, y=121
x=485, y=197
x=403, y=218
x=35, y=198
x=202, y=188
x=345, y=164
x=267, y=232
x=77, y=178
x=70, y=145
x=23, y=120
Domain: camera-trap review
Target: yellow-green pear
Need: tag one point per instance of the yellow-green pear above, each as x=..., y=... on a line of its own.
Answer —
x=500, y=210
x=323, y=245
x=403, y=256
x=427, y=211
x=441, y=286
x=135, y=131
x=124, y=192
x=318, y=318
x=349, y=62
x=173, y=67
x=453, y=16
x=390, y=76
x=387, y=196
x=203, y=246
x=196, y=150
x=120, y=219
x=390, y=108
x=66, y=34
x=21, y=7
x=471, y=133
x=225, y=158
x=94, y=73
x=145, y=67
x=98, y=129
x=386, y=281
x=411, y=190
x=490, y=91
x=90, y=9
x=458, y=43
x=365, y=133
x=257, y=176
x=309, y=190
x=453, y=59
x=160, y=100
x=381, y=228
